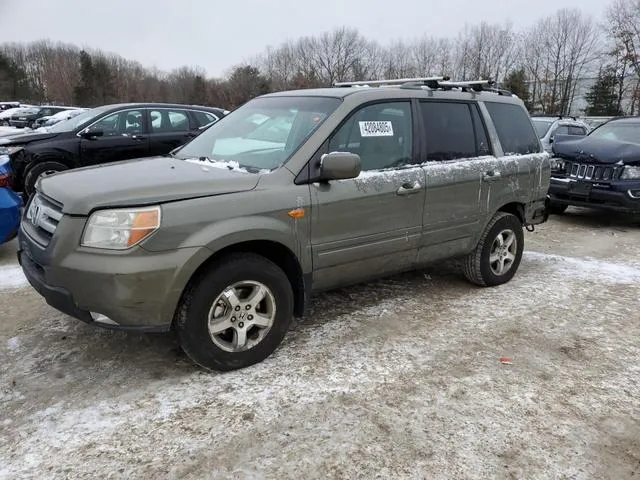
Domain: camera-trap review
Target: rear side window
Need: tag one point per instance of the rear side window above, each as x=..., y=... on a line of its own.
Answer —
x=448, y=130
x=562, y=130
x=515, y=132
x=204, y=118
x=579, y=131
x=169, y=121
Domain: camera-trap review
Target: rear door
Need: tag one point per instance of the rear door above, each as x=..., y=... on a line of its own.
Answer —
x=370, y=226
x=169, y=128
x=459, y=166
x=519, y=161
x=123, y=136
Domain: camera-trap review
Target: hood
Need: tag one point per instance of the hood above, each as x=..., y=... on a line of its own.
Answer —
x=598, y=150
x=23, y=138
x=142, y=182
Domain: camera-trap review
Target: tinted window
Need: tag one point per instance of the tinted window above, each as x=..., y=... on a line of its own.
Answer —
x=542, y=127
x=515, y=132
x=169, y=121
x=380, y=134
x=204, y=118
x=580, y=131
x=449, y=130
x=561, y=130
x=121, y=123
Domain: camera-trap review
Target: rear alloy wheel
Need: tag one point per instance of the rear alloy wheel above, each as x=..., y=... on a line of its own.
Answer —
x=38, y=171
x=236, y=314
x=497, y=256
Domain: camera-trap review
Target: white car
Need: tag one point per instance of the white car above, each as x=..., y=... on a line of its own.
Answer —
x=61, y=116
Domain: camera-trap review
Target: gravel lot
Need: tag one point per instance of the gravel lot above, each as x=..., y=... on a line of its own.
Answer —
x=396, y=379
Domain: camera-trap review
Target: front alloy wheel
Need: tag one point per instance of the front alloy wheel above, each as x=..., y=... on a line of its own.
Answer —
x=242, y=316
x=235, y=313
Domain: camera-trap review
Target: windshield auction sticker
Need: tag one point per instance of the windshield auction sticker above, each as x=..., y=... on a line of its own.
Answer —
x=376, y=129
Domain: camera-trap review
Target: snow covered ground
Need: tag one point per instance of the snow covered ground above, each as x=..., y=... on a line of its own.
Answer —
x=394, y=379
x=6, y=131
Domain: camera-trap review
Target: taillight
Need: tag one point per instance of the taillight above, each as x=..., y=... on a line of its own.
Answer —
x=5, y=181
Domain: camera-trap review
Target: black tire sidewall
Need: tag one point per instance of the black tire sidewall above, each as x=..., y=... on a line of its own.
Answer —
x=34, y=172
x=506, y=222
x=191, y=325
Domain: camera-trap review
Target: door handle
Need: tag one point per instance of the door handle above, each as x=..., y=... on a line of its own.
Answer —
x=138, y=137
x=408, y=188
x=491, y=176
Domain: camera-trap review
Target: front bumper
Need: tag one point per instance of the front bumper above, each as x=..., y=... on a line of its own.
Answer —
x=136, y=291
x=10, y=206
x=612, y=196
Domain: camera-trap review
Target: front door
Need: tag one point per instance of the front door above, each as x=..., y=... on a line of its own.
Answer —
x=122, y=136
x=370, y=226
x=459, y=169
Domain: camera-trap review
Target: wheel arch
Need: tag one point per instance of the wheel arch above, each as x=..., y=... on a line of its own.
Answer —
x=272, y=250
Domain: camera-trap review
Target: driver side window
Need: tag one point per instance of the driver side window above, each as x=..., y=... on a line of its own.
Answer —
x=122, y=123
x=380, y=133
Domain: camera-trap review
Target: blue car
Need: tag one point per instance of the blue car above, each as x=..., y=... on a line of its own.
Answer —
x=10, y=203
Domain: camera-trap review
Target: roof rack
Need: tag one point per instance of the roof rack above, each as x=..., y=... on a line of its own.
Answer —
x=397, y=81
x=432, y=83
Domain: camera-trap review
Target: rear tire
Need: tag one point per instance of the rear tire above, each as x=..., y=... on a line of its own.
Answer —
x=35, y=172
x=497, y=256
x=217, y=326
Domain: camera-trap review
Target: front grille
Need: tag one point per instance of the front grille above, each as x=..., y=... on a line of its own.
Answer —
x=585, y=171
x=43, y=216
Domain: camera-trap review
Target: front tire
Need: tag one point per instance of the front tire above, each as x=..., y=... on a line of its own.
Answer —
x=497, y=256
x=236, y=314
x=38, y=170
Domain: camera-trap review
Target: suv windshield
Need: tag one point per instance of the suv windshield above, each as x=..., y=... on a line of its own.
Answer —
x=542, y=127
x=622, y=132
x=263, y=133
x=75, y=122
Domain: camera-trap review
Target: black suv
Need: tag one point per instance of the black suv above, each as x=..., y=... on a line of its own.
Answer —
x=105, y=134
x=600, y=170
x=27, y=117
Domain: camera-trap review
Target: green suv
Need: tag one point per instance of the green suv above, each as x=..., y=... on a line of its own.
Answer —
x=224, y=240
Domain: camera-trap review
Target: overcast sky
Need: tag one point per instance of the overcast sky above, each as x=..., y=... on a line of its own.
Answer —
x=218, y=34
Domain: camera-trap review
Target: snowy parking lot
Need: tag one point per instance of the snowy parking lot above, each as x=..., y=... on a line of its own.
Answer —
x=400, y=378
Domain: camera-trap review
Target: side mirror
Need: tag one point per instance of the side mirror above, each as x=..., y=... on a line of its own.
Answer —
x=339, y=166
x=91, y=133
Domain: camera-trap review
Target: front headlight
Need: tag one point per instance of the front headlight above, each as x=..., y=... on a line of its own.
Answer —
x=630, y=173
x=558, y=165
x=120, y=229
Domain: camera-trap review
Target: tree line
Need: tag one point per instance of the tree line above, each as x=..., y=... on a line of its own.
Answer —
x=546, y=65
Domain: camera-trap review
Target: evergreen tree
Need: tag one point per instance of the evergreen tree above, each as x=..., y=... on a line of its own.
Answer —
x=602, y=99
x=516, y=82
x=14, y=82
